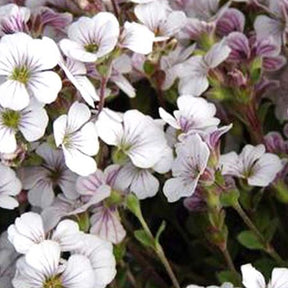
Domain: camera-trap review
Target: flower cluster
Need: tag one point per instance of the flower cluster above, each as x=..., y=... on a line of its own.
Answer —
x=114, y=110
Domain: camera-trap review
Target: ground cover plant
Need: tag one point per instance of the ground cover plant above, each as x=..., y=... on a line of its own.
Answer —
x=143, y=143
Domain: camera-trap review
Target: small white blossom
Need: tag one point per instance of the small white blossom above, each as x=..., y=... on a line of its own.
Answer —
x=169, y=63
x=24, y=70
x=189, y=165
x=160, y=19
x=30, y=121
x=253, y=164
x=135, y=135
x=106, y=223
x=76, y=73
x=28, y=231
x=137, y=38
x=13, y=18
x=100, y=254
x=42, y=267
x=91, y=38
x=193, y=73
x=10, y=186
x=8, y=258
x=252, y=278
x=139, y=181
x=78, y=139
x=194, y=114
x=41, y=180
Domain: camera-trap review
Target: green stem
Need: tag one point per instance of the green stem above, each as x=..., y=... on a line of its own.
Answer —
x=229, y=261
x=268, y=247
x=159, y=251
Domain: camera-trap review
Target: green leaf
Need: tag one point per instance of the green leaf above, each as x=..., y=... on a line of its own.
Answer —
x=229, y=198
x=149, y=67
x=119, y=251
x=249, y=240
x=133, y=204
x=229, y=276
x=144, y=239
x=160, y=231
x=256, y=69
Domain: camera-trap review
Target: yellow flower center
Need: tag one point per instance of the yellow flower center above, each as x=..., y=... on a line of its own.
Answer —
x=21, y=74
x=53, y=282
x=11, y=119
x=91, y=47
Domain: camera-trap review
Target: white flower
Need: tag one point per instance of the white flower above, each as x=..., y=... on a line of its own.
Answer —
x=41, y=180
x=170, y=62
x=78, y=139
x=119, y=66
x=91, y=38
x=252, y=278
x=275, y=26
x=253, y=164
x=76, y=73
x=137, y=136
x=24, y=70
x=67, y=235
x=189, y=165
x=194, y=114
x=193, y=72
x=137, y=38
x=30, y=121
x=13, y=18
x=28, y=231
x=105, y=223
x=63, y=207
x=8, y=258
x=42, y=268
x=93, y=187
x=10, y=186
x=136, y=180
x=160, y=19
x=100, y=254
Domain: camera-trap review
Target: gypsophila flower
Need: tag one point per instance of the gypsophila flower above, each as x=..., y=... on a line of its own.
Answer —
x=160, y=19
x=78, y=139
x=252, y=278
x=189, y=165
x=194, y=114
x=42, y=180
x=25, y=65
x=10, y=186
x=193, y=73
x=42, y=267
x=8, y=258
x=137, y=137
x=13, y=19
x=253, y=164
x=76, y=73
x=106, y=223
x=28, y=231
x=100, y=255
x=30, y=121
x=91, y=38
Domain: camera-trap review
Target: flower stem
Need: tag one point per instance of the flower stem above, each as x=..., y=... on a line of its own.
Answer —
x=133, y=204
x=267, y=246
x=102, y=94
x=229, y=260
x=160, y=252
